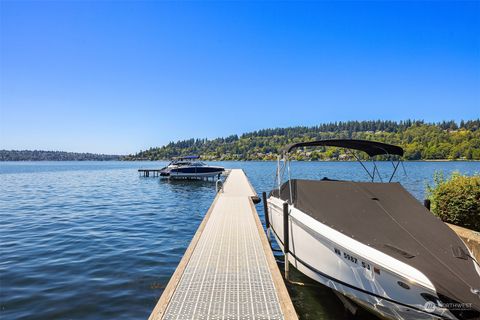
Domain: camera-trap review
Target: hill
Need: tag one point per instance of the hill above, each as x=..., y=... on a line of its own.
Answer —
x=420, y=140
x=39, y=155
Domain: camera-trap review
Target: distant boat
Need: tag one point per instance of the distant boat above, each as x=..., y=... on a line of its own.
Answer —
x=189, y=167
x=374, y=243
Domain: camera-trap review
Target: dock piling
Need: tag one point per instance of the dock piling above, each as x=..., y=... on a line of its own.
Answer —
x=427, y=204
x=265, y=211
x=219, y=186
x=286, y=237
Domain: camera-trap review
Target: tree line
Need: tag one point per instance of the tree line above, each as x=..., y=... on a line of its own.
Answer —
x=40, y=155
x=420, y=140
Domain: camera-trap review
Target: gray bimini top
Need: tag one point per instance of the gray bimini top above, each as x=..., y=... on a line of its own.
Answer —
x=388, y=218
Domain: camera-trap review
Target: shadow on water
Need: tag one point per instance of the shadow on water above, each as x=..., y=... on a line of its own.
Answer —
x=312, y=300
x=315, y=301
x=188, y=182
x=192, y=185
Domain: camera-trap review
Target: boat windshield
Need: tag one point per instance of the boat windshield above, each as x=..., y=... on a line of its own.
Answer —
x=180, y=163
x=187, y=163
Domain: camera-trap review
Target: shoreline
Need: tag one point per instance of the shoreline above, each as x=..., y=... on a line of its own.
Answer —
x=215, y=160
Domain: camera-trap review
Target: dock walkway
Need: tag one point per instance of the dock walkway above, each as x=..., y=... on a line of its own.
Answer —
x=228, y=270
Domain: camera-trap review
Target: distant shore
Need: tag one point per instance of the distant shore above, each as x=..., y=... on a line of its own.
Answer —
x=42, y=155
x=215, y=160
x=330, y=160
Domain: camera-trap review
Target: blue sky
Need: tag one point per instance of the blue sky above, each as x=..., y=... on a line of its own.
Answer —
x=117, y=77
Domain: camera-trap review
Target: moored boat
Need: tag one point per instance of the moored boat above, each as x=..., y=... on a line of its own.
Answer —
x=190, y=167
x=373, y=242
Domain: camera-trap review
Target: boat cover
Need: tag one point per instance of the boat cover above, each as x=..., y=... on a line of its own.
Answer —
x=388, y=218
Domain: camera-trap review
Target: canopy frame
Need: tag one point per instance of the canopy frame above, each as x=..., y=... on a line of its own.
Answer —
x=372, y=148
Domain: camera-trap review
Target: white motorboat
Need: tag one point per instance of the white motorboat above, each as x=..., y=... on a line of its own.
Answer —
x=373, y=243
x=190, y=167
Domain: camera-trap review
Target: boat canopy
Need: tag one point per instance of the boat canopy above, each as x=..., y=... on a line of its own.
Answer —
x=372, y=148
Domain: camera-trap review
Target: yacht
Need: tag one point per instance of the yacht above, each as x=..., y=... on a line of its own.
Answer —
x=372, y=242
x=190, y=167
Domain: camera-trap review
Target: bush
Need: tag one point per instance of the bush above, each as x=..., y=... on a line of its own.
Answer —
x=456, y=200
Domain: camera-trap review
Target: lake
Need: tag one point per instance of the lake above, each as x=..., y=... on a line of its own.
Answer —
x=93, y=240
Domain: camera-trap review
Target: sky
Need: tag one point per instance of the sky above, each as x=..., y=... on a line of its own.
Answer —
x=119, y=77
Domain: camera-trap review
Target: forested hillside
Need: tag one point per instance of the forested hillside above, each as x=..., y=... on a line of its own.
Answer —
x=40, y=155
x=420, y=140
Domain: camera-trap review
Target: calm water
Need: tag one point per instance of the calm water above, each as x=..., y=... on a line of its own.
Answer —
x=93, y=240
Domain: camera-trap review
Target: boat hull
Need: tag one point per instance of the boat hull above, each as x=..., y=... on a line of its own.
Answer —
x=346, y=267
x=193, y=172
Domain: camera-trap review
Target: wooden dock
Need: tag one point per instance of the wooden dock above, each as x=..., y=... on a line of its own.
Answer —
x=228, y=270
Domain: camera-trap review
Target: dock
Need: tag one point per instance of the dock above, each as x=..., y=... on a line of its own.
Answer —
x=156, y=173
x=228, y=271
x=146, y=172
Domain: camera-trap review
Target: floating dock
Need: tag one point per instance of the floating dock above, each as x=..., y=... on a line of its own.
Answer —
x=156, y=173
x=228, y=270
x=147, y=172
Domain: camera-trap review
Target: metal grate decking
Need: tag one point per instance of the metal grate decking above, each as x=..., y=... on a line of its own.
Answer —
x=228, y=274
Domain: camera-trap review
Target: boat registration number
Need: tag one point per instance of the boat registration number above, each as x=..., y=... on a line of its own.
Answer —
x=353, y=259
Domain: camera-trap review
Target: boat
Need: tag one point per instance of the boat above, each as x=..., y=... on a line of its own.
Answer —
x=189, y=167
x=372, y=242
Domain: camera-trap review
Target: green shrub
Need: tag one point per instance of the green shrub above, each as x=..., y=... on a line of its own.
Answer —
x=456, y=200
